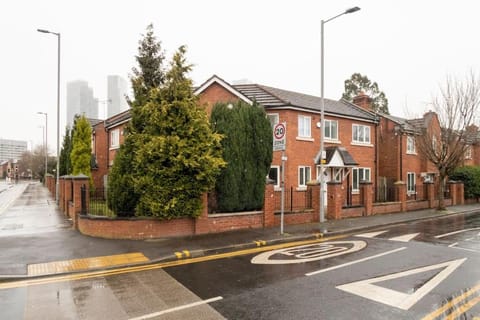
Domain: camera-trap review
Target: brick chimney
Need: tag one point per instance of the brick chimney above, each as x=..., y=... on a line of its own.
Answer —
x=363, y=101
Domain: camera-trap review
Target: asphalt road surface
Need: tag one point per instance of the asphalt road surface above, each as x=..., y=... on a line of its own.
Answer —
x=425, y=270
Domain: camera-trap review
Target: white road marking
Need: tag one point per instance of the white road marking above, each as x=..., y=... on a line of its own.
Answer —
x=453, y=244
x=455, y=232
x=370, y=234
x=309, y=252
x=405, y=238
x=354, y=262
x=186, y=306
x=404, y=301
x=466, y=249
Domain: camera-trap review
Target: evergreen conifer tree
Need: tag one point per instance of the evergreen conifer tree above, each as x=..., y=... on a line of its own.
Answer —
x=81, y=147
x=247, y=149
x=178, y=155
x=65, y=161
x=122, y=197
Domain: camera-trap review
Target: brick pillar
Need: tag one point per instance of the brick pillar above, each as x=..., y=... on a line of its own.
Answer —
x=334, y=200
x=61, y=201
x=460, y=193
x=453, y=192
x=269, y=206
x=314, y=188
x=78, y=182
x=68, y=185
x=401, y=194
x=201, y=222
x=367, y=196
x=430, y=194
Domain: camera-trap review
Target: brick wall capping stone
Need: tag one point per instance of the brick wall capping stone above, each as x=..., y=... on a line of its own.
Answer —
x=79, y=177
x=365, y=182
x=334, y=182
x=96, y=217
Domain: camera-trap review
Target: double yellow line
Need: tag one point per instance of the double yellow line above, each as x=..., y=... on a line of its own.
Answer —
x=183, y=254
x=457, y=306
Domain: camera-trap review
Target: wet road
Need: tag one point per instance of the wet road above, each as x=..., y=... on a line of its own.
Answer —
x=425, y=270
x=25, y=201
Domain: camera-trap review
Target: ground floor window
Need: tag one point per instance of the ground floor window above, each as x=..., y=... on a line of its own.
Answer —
x=304, y=176
x=359, y=174
x=410, y=182
x=274, y=174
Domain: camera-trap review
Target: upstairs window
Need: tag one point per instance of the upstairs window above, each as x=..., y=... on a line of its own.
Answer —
x=331, y=129
x=468, y=152
x=115, y=138
x=304, y=126
x=273, y=118
x=411, y=145
x=360, y=134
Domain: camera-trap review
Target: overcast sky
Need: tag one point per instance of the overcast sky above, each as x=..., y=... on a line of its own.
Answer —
x=408, y=47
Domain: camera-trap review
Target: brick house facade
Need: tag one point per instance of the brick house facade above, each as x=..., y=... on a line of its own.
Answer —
x=400, y=159
x=360, y=145
x=347, y=126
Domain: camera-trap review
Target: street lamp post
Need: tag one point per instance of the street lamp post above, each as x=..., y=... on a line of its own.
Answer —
x=46, y=145
x=322, y=112
x=58, y=111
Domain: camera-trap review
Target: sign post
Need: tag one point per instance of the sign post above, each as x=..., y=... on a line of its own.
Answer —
x=279, y=142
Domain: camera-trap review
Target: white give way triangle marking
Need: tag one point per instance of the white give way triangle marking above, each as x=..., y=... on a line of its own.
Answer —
x=402, y=238
x=405, y=237
x=401, y=300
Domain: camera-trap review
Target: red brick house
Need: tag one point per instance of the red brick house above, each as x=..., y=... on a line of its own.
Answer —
x=350, y=134
x=107, y=136
x=400, y=159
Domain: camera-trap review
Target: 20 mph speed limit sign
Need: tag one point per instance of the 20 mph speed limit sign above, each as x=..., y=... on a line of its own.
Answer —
x=279, y=136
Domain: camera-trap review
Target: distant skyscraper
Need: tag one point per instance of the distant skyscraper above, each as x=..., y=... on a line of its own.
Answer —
x=117, y=90
x=80, y=100
x=12, y=149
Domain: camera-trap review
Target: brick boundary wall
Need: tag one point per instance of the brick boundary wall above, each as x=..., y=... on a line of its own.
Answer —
x=146, y=228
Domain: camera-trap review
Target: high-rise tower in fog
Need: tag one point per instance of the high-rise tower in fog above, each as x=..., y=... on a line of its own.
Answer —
x=116, y=93
x=80, y=100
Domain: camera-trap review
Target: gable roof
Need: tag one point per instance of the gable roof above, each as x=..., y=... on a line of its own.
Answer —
x=224, y=84
x=272, y=98
x=332, y=151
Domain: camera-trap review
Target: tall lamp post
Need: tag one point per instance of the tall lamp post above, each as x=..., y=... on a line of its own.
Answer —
x=322, y=112
x=46, y=145
x=58, y=110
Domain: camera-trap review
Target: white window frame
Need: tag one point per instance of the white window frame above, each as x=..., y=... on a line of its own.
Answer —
x=363, y=131
x=304, y=175
x=468, y=152
x=356, y=174
x=411, y=149
x=330, y=136
x=274, y=118
x=304, y=126
x=277, y=182
x=115, y=139
x=411, y=183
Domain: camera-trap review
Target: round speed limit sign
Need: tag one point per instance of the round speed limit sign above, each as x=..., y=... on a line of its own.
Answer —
x=279, y=131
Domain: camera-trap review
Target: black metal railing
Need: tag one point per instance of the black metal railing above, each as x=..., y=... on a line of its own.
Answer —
x=98, y=203
x=295, y=200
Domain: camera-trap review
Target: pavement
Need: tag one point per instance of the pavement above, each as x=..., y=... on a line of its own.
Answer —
x=37, y=240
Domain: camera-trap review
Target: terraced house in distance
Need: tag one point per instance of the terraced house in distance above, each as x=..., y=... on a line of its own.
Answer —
x=349, y=136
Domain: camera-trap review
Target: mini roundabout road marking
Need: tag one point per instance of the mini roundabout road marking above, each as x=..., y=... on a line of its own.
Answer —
x=308, y=253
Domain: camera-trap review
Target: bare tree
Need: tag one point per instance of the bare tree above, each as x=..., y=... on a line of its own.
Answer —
x=456, y=107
